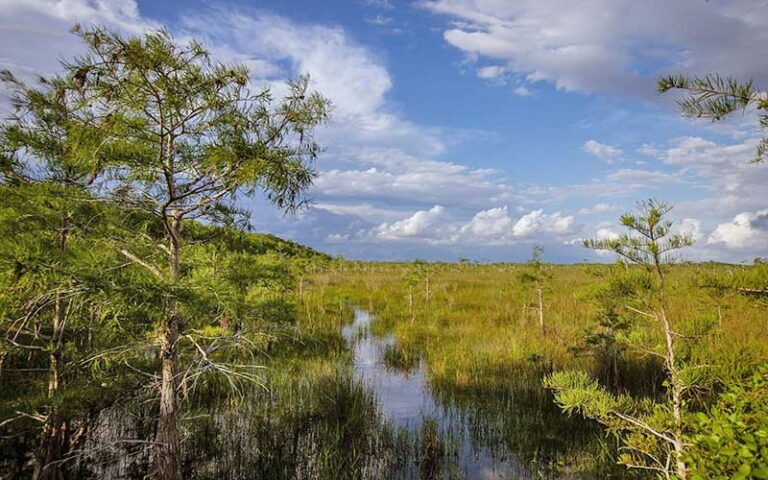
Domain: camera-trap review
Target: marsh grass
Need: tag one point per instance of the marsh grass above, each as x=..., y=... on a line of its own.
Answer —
x=478, y=341
x=484, y=354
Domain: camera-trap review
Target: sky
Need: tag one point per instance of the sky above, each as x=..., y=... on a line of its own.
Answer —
x=477, y=128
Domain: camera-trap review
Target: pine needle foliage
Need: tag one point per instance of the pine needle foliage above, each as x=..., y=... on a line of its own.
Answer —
x=715, y=97
x=653, y=437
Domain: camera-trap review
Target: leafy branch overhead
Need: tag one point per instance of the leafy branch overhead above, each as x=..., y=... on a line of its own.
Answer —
x=715, y=97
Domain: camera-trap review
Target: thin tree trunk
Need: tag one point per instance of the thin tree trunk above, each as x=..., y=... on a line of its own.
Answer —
x=676, y=390
x=53, y=443
x=677, y=398
x=616, y=383
x=53, y=447
x=54, y=439
x=166, y=462
x=541, y=309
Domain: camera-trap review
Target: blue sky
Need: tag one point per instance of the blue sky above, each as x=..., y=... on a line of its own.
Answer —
x=476, y=128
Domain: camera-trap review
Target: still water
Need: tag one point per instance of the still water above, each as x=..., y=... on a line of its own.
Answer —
x=406, y=401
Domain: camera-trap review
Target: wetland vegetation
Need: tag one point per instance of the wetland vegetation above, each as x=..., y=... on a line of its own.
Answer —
x=147, y=333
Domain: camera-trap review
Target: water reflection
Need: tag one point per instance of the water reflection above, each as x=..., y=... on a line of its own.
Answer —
x=371, y=422
x=407, y=401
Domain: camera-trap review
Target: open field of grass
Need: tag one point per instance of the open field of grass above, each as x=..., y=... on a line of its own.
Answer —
x=480, y=321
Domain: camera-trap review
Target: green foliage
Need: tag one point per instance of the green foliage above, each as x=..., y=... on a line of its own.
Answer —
x=730, y=438
x=483, y=356
x=641, y=425
x=716, y=97
x=537, y=272
x=102, y=166
x=199, y=134
x=654, y=439
x=198, y=139
x=651, y=242
x=608, y=338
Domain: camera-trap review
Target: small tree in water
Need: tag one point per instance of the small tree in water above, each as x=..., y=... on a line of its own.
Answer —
x=652, y=433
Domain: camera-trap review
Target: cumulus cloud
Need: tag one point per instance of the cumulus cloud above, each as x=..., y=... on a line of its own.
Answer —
x=747, y=230
x=567, y=44
x=690, y=227
x=538, y=222
x=492, y=226
x=432, y=225
x=605, y=152
x=606, y=233
x=725, y=170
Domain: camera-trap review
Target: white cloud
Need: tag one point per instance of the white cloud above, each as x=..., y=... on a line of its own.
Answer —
x=747, y=230
x=605, y=152
x=522, y=91
x=34, y=34
x=648, y=150
x=690, y=227
x=395, y=177
x=633, y=178
x=736, y=185
x=598, y=208
x=337, y=238
x=539, y=223
x=379, y=20
x=492, y=72
x=593, y=48
x=492, y=226
x=345, y=71
x=606, y=233
x=383, y=4
x=431, y=225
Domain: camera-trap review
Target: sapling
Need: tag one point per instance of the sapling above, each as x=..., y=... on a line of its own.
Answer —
x=652, y=434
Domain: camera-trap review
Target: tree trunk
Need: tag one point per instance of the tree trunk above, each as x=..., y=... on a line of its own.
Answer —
x=54, y=439
x=676, y=389
x=541, y=309
x=676, y=393
x=166, y=461
x=55, y=435
x=426, y=291
x=53, y=448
